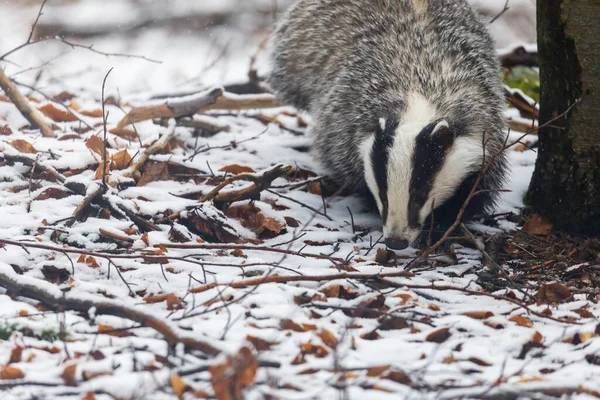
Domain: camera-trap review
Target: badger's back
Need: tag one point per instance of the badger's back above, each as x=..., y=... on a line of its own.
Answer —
x=349, y=62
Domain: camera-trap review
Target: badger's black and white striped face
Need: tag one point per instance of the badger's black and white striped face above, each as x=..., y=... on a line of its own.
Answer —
x=413, y=167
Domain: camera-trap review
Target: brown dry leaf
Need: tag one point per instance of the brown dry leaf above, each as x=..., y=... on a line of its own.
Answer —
x=538, y=225
x=23, y=146
x=53, y=193
x=479, y=362
x=16, y=355
x=374, y=372
x=95, y=144
x=328, y=338
x=537, y=338
x=522, y=321
x=449, y=360
x=439, y=336
x=230, y=378
x=91, y=262
x=89, y=396
x=10, y=373
x=91, y=113
x=289, y=325
x=174, y=302
x=480, y=315
x=236, y=169
x=179, y=386
x=5, y=130
x=553, y=293
x=314, y=349
x=88, y=376
x=121, y=160
x=398, y=377
x=69, y=375
x=100, y=169
x=111, y=331
x=252, y=218
x=153, y=299
x=56, y=114
x=338, y=291
x=260, y=344
x=126, y=134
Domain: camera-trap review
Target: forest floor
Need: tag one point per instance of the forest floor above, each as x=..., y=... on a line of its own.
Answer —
x=212, y=256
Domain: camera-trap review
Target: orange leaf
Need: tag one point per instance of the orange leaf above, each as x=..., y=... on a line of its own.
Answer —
x=481, y=315
x=92, y=113
x=53, y=193
x=552, y=293
x=328, y=338
x=439, y=336
x=537, y=337
x=121, y=160
x=260, y=344
x=9, y=373
x=95, y=144
x=23, y=146
x=69, y=375
x=236, y=373
x=56, y=114
x=174, y=302
x=377, y=371
x=522, y=321
x=538, y=225
x=16, y=355
x=236, y=169
x=178, y=385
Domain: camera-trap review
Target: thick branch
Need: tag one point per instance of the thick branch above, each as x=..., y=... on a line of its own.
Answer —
x=52, y=297
x=32, y=115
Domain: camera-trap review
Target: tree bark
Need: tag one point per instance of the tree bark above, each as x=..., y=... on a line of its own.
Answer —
x=566, y=181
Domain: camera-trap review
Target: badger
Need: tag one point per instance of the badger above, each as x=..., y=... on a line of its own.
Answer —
x=406, y=101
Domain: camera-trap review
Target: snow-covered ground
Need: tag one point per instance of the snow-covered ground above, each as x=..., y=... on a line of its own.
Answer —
x=344, y=338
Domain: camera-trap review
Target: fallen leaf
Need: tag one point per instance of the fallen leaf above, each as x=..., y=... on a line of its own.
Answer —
x=16, y=355
x=111, y=331
x=260, y=344
x=314, y=350
x=69, y=375
x=328, y=338
x=251, y=217
x=10, y=373
x=384, y=256
x=553, y=293
x=439, y=336
x=121, y=160
x=91, y=113
x=89, y=396
x=537, y=337
x=179, y=386
x=480, y=315
x=398, y=377
x=23, y=146
x=522, y=321
x=56, y=114
x=174, y=302
x=538, y=225
x=236, y=169
x=53, y=193
x=374, y=372
x=230, y=378
x=5, y=130
x=289, y=325
x=95, y=144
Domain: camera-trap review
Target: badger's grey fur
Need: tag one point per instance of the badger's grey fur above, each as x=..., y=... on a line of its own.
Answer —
x=403, y=94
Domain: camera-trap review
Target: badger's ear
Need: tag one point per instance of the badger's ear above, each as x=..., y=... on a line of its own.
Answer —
x=441, y=125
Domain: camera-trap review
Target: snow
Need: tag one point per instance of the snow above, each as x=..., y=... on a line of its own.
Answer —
x=481, y=357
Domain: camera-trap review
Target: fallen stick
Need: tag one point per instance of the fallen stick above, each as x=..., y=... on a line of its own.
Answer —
x=214, y=99
x=157, y=146
x=261, y=183
x=51, y=296
x=35, y=118
x=30, y=162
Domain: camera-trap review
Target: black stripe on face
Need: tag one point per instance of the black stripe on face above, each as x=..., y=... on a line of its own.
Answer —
x=430, y=152
x=380, y=154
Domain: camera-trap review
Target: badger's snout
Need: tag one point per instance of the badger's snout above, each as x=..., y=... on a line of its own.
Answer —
x=396, y=243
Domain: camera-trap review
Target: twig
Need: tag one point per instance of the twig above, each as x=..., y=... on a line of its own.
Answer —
x=504, y=10
x=104, y=118
x=32, y=115
x=314, y=210
x=29, y=39
x=214, y=99
x=103, y=53
x=100, y=190
x=52, y=297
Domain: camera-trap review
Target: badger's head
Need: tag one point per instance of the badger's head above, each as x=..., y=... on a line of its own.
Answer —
x=421, y=165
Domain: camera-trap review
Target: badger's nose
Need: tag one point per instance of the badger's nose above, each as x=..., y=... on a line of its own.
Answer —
x=396, y=243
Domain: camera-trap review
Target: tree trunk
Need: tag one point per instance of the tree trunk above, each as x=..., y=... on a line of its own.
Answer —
x=566, y=181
